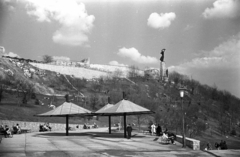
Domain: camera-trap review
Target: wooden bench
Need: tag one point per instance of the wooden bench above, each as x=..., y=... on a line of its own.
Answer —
x=165, y=140
x=1, y=136
x=25, y=130
x=147, y=132
x=190, y=142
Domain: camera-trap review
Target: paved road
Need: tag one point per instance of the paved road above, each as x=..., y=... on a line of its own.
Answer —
x=96, y=143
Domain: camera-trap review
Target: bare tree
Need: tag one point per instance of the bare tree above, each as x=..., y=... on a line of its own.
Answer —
x=117, y=73
x=27, y=92
x=94, y=101
x=133, y=71
x=1, y=93
x=47, y=58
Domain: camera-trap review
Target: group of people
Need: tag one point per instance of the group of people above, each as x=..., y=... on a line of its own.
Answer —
x=5, y=130
x=170, y=136
x=157, y=130
x=86, y=126
x=8, y=132
x=222, y=145
x=219, y=146
x=44, y=127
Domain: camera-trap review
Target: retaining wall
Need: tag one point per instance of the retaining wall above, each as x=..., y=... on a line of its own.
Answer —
x=34, y=126
x=191, y=143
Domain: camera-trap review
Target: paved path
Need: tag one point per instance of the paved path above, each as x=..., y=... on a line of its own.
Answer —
x=96, y=143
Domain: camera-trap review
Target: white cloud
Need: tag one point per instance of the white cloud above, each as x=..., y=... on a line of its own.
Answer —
x=12, y=54
x=220, y=66
x=226, y=55
x=223, y=9
x=116, y=63
x=134, y=55
x=161, y=21
x=72, y=15
x=62, y=58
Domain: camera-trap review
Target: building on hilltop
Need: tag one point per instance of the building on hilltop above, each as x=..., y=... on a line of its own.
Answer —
x=152, y=73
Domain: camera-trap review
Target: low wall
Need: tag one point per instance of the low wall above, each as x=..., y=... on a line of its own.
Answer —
x=192, y=143
x=34, y=126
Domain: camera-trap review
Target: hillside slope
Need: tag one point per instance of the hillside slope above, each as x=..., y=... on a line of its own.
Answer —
x=210, y=114
x=16, y=74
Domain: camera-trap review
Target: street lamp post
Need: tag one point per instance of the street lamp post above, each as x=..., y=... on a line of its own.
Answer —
x=181, y=90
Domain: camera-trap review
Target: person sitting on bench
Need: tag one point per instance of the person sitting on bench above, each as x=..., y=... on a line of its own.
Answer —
x=171, y=136
x=47, y=126
x=2, y=129
x=16, y=129
x=8, y=132
x=42, y=128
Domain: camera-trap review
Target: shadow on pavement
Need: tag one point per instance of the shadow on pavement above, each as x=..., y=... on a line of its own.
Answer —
x=113, y=135
x=92, y=134
x=63, y=134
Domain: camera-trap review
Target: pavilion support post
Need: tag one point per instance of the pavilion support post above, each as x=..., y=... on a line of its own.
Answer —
x=109, y=124
x=67, y=125
x=125, y=125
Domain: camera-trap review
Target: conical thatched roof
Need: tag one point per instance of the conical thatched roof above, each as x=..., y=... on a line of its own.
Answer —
x=101, y=110
x=124, y=107
x=67, y=108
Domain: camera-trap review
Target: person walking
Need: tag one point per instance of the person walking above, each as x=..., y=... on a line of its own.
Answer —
x=159, y=130
x=153, y=129
x=129, y=131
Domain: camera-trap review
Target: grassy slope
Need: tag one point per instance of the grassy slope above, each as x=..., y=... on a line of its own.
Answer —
x=12, y=109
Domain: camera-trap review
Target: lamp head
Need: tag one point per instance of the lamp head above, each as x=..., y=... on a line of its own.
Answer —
x=181, y=92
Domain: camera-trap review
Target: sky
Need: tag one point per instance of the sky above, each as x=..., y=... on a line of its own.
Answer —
x=201, y=37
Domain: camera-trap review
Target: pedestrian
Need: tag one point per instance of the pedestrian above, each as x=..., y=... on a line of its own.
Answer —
x=159, y=130
x=153, y=129
x=129, y=131
x=221, y=144
x=217, y=146
x=208, y=147
x=224, y=145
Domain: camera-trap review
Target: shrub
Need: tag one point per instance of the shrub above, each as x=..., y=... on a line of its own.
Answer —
x=36, y=102
x=33, y=96
x=233, y=132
